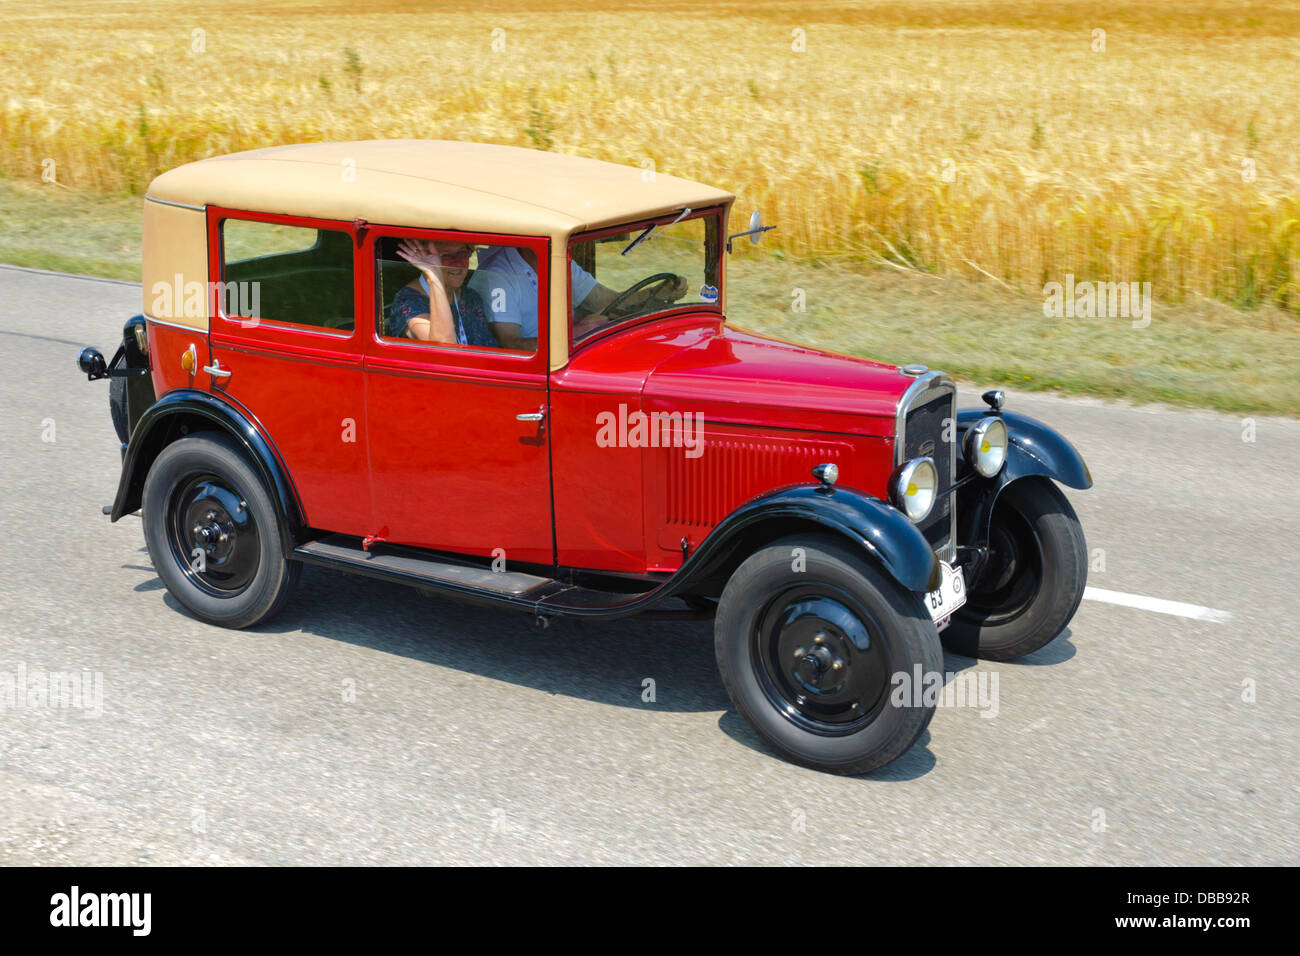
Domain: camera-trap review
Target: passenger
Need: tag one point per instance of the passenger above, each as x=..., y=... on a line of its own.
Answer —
x=434, y=307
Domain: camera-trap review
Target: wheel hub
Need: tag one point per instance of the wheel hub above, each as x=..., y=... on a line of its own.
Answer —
x=213, y=535
x=818, y=662
x=216, y=531
x=817, y=667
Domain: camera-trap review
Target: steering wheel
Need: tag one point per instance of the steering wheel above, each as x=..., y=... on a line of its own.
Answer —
x=660, y=280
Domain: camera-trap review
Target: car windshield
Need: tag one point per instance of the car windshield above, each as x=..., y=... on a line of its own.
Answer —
x=645, y=268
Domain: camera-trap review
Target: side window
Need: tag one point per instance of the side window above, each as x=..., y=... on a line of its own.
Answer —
x=290, y=275
x=449, y=292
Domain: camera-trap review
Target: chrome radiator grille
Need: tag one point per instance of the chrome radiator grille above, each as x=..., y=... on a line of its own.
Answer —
x=926, y=417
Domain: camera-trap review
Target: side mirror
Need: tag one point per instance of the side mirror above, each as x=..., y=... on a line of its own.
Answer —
x=755, y=230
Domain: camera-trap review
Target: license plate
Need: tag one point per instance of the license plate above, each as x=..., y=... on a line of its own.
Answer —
x=950, y=595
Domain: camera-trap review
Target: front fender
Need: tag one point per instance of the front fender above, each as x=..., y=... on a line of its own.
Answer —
x=186, y=411
x=1033, y=449
x=878, y=529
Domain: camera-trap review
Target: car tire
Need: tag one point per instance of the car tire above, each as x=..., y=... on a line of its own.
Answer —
x=1035, y=580
x=117, y=408
x=201, y=488
x=773, y=609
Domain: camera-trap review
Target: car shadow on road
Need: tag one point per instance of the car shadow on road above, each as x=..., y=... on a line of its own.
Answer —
x=1060, y=649
x=1056, y=651
x=151, y=584
x=917, y=762
x=607, y=662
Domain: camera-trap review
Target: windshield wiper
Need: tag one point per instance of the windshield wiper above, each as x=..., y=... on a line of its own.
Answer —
x=650, y=228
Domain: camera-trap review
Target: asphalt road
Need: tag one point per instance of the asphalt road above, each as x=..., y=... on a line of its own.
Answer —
x=470, y=737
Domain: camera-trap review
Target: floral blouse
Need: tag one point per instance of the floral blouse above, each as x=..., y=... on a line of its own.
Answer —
x=467, y=312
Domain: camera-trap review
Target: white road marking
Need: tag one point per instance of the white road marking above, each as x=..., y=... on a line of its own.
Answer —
x=1159, y=605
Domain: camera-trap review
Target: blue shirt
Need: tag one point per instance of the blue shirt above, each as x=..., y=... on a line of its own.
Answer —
x=509, y=285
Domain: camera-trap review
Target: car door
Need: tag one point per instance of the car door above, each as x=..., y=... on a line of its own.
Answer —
x=285, y=345
x=458, y=443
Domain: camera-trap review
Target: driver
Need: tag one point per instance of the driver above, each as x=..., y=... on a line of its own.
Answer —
x=506, y=279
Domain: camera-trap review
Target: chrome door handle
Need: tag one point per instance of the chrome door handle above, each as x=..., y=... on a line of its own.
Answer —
x=531, y=416
x=216, y=371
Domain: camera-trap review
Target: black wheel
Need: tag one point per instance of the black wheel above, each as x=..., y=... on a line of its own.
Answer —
x=809, y=656
x=1034, y=581
x=213, y=533
x=117, y=408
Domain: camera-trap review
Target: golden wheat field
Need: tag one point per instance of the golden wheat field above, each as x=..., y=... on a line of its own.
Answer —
x=1143, y=141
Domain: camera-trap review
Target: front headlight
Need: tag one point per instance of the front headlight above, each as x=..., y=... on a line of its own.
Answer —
x=986, y=446
x=913, y=487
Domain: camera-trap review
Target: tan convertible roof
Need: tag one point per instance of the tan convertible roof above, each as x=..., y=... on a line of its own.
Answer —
x=433, y=183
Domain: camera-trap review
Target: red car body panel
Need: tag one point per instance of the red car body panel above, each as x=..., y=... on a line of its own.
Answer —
x=600, y=520
x=739, y=376
x=760, y=427
x=167, y=343
x=310, y=401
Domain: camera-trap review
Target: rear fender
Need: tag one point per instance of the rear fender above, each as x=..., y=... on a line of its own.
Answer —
x=187, y=411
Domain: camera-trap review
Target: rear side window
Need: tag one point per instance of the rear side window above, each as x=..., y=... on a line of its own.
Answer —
x=284, y=274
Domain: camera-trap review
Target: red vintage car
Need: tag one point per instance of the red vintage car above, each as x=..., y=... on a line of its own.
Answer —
x=508, y=376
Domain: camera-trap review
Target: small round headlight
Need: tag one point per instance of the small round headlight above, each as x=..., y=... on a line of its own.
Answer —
x=986, y=446
x=913, y=486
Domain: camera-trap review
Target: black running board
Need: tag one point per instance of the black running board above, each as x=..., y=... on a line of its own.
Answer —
x=541, y=596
